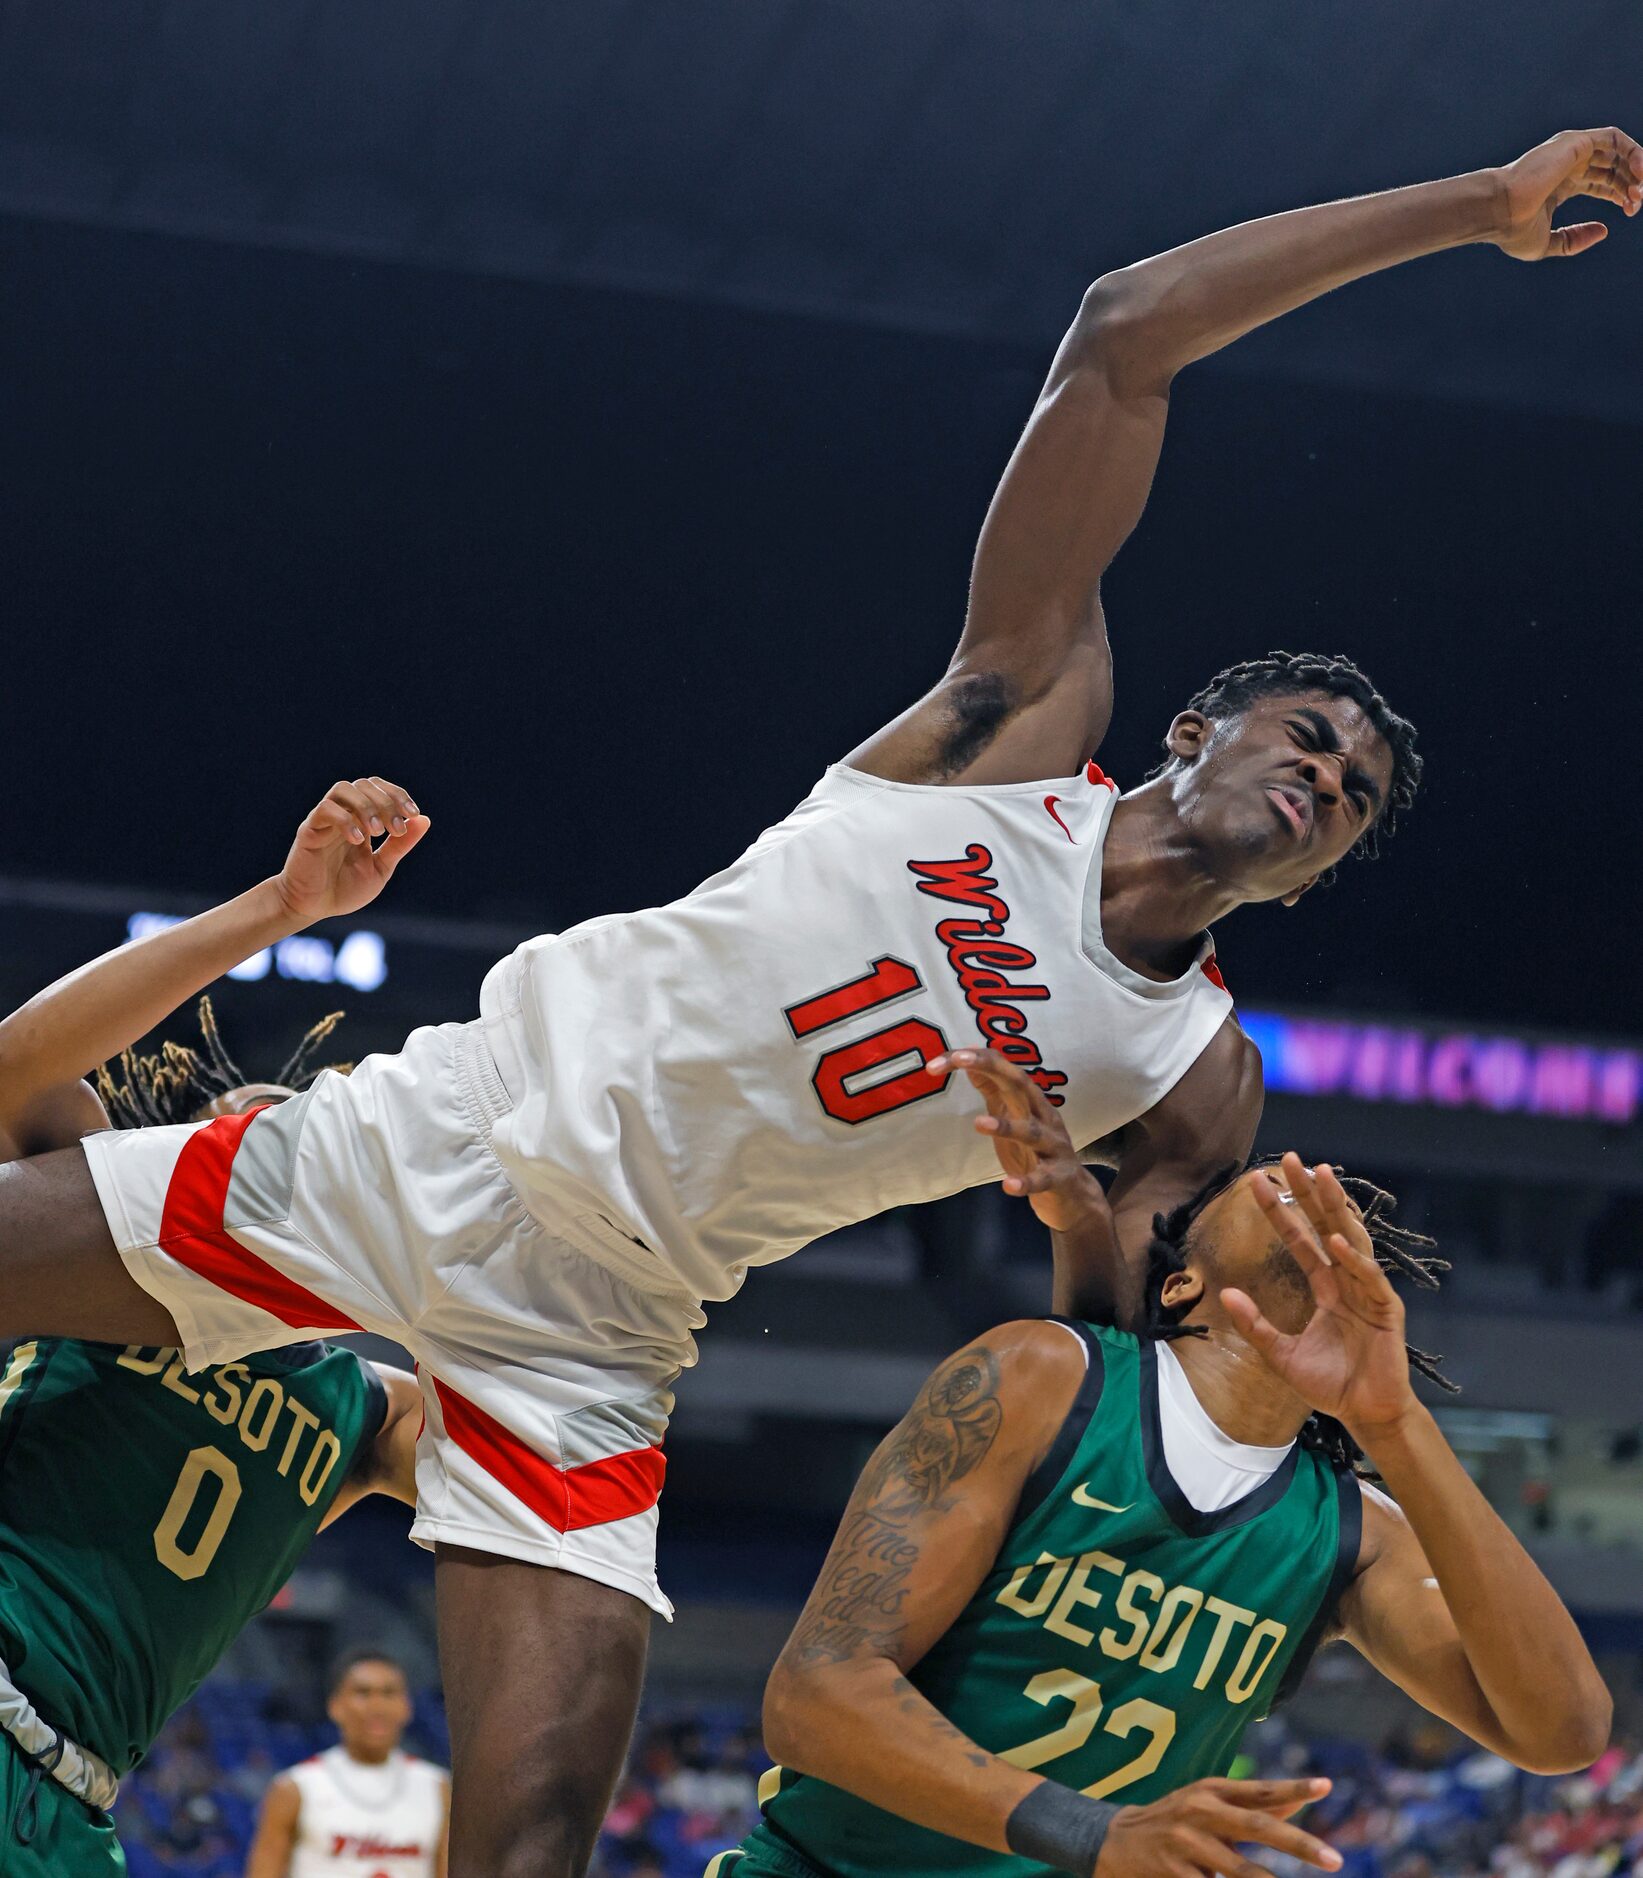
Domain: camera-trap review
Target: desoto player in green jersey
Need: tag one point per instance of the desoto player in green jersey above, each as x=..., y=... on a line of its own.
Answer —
x=1087, y=1559
x=147, y=1514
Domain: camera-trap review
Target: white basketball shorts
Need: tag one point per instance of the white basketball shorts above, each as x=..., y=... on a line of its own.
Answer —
x=373, y=1201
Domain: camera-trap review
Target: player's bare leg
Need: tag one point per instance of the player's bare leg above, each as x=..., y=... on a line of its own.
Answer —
x=542, y=1672
x=60, y=1275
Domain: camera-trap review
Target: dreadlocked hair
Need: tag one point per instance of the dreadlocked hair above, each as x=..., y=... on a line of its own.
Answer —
x=175, y=1085
x=1399, y=1251
x=1290, y=674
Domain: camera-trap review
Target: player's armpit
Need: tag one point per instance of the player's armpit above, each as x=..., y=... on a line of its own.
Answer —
x=1204, y=1127
x=57, y=1116
x=388, y=1465
x=1029, y=691
x=921, y=1531
x=276, y=1834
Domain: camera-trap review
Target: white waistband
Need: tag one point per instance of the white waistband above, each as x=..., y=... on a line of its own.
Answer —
x=70, y=1765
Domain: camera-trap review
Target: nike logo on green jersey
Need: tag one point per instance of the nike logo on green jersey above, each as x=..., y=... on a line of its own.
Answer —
x=1083, y=1497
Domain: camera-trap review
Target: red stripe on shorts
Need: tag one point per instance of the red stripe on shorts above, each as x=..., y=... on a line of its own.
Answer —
x=192, y=1231
x=592, y=1493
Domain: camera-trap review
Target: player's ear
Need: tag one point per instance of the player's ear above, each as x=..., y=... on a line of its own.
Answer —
x=1182, y=1290
x=1306, y=886
x=1187, y=735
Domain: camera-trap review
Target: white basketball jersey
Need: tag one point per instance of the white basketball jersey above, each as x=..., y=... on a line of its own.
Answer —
x=730, y=1076
x=367, y=1821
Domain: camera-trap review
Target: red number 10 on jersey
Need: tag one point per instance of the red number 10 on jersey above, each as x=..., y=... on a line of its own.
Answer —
x=838, y=1076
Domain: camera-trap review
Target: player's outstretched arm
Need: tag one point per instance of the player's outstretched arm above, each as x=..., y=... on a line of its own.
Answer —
x=1092, y=1280
x=1099, y=1241
x=275, y=1839
x=922, y=1528
x=1029, y=691
x=389, y=1464
x=1446, y=1603
x=345, y=852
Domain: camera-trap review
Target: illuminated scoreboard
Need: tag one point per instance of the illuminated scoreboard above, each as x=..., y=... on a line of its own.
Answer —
x=357, y=959
x=388, y=971
x=392, y=972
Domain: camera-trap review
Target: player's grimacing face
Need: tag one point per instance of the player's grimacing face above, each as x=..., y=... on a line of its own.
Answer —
x=1232, y=1243
x=371, y=1707
x=1280, y=792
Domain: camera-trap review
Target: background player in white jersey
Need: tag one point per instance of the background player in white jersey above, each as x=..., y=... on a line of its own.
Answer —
x=539, y=1203
x=364, y=1808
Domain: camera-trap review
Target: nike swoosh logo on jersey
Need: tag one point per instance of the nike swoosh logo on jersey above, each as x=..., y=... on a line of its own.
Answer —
x=1083, y=1497
x=1049, y=803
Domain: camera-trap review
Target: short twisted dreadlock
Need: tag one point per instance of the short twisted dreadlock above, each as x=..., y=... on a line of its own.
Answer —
x=1291, y=674
x=175, y=1085
x=1398, y=1251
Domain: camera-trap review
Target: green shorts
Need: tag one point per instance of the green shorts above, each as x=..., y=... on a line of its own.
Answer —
x=45, y=1832
x=761, y=1855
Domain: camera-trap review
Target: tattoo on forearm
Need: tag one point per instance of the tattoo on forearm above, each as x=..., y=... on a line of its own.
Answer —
x=856, y=1607
x=914, y=1703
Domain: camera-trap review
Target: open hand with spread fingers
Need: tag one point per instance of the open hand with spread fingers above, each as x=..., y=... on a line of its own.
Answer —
x=1350, y=1360
x=1605, y=165
x=1199, y=1829
x=347, y=849
x=1030, y=1140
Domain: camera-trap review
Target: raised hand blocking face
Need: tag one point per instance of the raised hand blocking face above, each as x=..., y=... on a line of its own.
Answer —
x=1349, y=1359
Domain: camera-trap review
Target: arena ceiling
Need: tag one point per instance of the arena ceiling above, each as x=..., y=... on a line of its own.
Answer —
x=956, y=166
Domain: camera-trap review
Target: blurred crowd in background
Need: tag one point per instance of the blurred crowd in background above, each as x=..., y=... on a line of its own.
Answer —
x=1413, y=1808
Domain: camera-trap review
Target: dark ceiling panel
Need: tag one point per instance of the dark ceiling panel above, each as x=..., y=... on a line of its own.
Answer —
x=954, y=165
x=514, y=106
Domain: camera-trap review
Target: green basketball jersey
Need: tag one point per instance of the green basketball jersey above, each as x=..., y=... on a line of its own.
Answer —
x=1122, y=1641
x=147, y=1514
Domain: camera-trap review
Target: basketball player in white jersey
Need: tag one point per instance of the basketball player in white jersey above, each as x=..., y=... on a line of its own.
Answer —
x=538, y=1204
x=365, y=1808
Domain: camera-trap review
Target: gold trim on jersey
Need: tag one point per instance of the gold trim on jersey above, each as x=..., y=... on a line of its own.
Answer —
x=16, y=1369
x=770, y=1784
